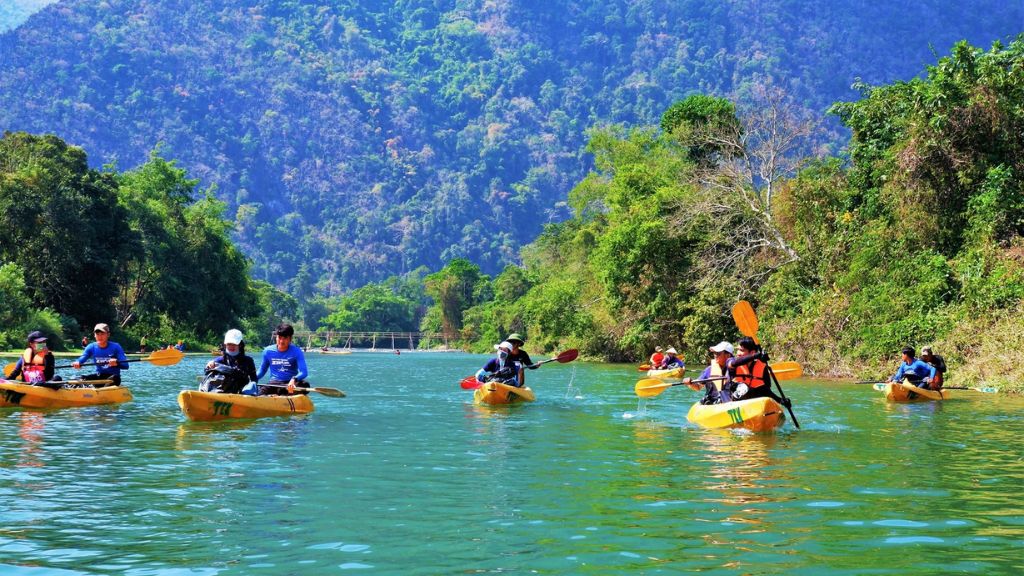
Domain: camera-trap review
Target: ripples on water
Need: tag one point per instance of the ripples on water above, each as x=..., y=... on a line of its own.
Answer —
x=406, y=476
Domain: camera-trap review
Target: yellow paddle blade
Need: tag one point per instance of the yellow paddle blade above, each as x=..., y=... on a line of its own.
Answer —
x=9, y=368
x=787, y=370
x=746, y=319
x=166, y=357
x=650, y=387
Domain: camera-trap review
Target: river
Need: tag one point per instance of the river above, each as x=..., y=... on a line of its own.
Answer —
x=407, y=476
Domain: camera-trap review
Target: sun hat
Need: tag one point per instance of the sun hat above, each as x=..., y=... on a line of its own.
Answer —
x=657, y=348
x=515, y=338
x=671, y=350
x=233, y=337
x=504, y=345
x=722, y=346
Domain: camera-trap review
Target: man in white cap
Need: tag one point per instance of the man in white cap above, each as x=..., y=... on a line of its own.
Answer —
x=109, y=357
x=501, y=367
x=716, y=374
x=233, y=370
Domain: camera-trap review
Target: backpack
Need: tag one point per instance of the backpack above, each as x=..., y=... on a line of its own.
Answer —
x=224, y=379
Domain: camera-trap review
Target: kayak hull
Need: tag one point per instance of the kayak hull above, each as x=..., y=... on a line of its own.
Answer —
x=29, y=396
x=209, y=406
x=497, y=393
x=666, y=374
x=756, y=415
x=907, y=392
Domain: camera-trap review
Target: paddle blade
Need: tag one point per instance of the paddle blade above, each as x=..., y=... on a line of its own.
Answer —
x=567, y=356
x=787, y=370
x=332, y=392
x=9, y=369
x=166, y=357
x=643, y=367
x=651, y=387
x=470, y=383
x=746, y=319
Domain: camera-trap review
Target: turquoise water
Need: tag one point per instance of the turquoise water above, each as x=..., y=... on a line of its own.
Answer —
x=407, y=476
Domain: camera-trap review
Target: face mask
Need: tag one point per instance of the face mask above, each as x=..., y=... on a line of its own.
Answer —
x=502, y=355
x=230, y=353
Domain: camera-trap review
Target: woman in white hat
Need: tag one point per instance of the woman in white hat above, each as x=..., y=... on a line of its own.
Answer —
x=501, y=367
x=234, y=369
x=671, y=360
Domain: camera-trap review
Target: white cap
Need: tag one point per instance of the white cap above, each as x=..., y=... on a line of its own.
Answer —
x=233, y=337
x=506, y=345
x=722, y=346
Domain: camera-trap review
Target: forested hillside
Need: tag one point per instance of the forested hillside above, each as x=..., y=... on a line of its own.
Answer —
x=14, y=12
x=355, y=139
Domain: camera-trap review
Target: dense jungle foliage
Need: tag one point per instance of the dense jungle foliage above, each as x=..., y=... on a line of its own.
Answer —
x=139, y=250
x=353, y=140
x=916, y=236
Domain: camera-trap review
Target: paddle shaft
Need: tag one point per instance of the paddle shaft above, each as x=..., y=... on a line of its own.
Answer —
x=785, y=401
x=332, y=392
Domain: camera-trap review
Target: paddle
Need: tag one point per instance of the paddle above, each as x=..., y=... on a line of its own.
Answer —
x=654, y=386
x=746, y=320
x=166, y=357
x=643, y=367
x=471, y=383
x=650, y=387
x=332, y=392
x=567, y=356
x=880, y=386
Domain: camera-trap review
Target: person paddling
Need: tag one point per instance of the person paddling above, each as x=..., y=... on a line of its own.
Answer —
x=938, y=362
x=714, y=390
x=35, y=366
x=502, y=367
x=520, y=356
x=919, y=372
x=233, y=370
x=286, y=362
x=750, y=373
x=109, y=357
x=657, y=358
x=671, y=360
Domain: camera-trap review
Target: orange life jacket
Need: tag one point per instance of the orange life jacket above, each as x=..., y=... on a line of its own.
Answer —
x=33, y=368
x=753, y=374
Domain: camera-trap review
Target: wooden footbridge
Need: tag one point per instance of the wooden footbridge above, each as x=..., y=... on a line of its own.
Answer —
x=371, y=341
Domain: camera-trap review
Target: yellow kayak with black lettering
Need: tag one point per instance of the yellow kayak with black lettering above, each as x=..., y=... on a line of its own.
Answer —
x=71, y=394
x=501, y=393
x=668, y=374
x=207, y=406
x=756, y=415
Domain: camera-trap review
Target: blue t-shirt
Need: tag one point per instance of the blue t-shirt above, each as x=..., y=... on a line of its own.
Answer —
x=102, y=355
x=285, y=365
x=916, y=370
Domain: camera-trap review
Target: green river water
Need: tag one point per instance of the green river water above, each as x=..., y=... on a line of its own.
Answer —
x=407, y=476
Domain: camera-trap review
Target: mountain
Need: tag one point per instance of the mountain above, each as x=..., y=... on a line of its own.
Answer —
x=355, y=139
x=14, y=12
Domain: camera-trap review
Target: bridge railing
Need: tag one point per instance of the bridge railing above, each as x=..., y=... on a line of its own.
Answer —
x=371, y=340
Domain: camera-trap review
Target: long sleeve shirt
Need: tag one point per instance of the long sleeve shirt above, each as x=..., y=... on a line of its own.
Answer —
x=101, y=356
x=285, y=365
x=916, y=370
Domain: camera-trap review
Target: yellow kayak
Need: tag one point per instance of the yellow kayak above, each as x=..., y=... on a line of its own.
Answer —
x=756, y=415
x=75, y=393
x=206, y=406
x=666, y=374
x=500, y=393
x=907, y=392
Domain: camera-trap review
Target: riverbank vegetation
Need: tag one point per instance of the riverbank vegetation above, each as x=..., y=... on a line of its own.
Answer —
x=141, y=250
x=913, y=236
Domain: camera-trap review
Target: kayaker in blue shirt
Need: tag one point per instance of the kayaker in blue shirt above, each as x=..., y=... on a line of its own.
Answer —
x=919, y=372
x=502, y=367
x=671, y=360
x=286, y=362
x=109, y=357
